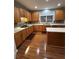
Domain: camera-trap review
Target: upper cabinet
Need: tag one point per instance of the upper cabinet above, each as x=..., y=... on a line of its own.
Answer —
x=35, y=16
x=59, y=15
x=27, y=14
x=22, y=12
x=16, y=15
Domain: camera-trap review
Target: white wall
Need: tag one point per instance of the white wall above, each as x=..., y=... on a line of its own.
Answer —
x=47, y=12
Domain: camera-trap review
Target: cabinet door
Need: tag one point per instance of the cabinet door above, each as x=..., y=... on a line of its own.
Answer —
x=35, y=16
x=38, y=28
x=27, y=14
x=43, y=28
x=28, y=31
x=59, y=14
x=16, y=15
x=18, y=38
x=22, y=12
x=24, y=34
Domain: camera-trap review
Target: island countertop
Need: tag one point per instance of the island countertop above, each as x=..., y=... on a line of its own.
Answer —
x=50, y=29
x=17, y=29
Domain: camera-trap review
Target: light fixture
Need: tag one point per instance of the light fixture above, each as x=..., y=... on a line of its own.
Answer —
x=59, y=4
x=36, y=7
x=24, y=19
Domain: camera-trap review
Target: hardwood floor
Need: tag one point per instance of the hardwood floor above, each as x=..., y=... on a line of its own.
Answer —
x=37, y=48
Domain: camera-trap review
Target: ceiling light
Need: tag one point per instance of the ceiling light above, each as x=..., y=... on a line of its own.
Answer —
x=36, y=7
x=46, y=0
x=59, y=4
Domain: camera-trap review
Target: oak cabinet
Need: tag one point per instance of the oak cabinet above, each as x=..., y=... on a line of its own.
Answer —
x=40, y=28
x=16, y=15
x=24, y=34
x=22, y=12
x=37, y=28
x=43, y=28
x=59, y=15
x=27, y=14
x=35, y=16
x=29, y=30
x=18, y=38
x=56, y=39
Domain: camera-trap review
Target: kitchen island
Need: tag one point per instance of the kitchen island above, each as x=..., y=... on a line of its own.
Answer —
x=56, y=36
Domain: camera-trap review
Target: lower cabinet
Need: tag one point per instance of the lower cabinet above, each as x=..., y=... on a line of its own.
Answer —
x=43, y=28
x=56, y=39
x=18, y=38
x=22, y=35
x=39, y=28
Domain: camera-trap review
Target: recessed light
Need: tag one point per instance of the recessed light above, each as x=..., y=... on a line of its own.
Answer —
x=46, y=0
x=36, y=7
x=59, y=4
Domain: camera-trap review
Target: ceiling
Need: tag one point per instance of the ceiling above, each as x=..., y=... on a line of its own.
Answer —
x=41, y=4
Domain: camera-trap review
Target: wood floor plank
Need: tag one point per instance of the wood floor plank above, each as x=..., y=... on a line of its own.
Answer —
x=37, y=48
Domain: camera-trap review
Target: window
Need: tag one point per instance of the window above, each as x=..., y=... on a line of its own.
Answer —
x=43, y=18
x=48, y=18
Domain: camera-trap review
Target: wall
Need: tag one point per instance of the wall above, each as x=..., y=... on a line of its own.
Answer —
x=46, y=13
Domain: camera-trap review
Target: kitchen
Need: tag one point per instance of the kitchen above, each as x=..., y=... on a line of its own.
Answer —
x=39, y=29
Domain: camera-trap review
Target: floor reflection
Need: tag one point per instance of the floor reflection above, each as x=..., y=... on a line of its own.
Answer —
x=38, y=49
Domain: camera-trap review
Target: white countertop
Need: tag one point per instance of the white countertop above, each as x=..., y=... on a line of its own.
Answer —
x=49, y=24
x=17, y=29
x=50, y=29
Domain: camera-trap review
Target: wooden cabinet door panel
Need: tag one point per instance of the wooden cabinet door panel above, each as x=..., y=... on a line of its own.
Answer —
x=59, y=15
x=27, y=14
x=24, y=34
x=39, y=28
x=28, y=31
x=18, y=38
x=22, y=12
x=16, y=15
x=35, y=16
x=43, y=28
x=56, y=38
